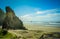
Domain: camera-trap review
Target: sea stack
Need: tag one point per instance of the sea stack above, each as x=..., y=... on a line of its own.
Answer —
x=11, y=21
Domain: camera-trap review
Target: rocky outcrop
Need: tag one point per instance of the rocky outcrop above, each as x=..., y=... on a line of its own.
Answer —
x=52, y=35
x=11, y=21
x=2, y=16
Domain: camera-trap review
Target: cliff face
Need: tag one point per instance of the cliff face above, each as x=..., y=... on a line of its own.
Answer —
x=2, y=16
x=11, y=21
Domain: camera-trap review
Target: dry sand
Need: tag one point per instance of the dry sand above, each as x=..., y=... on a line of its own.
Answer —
x=42, y=28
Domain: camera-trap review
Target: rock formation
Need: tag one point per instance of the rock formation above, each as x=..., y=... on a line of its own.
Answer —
x=2, y=16
x=51, y=35
x=11, y=21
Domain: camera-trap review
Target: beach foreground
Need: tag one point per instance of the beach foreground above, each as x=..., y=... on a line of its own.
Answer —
x=37, y=32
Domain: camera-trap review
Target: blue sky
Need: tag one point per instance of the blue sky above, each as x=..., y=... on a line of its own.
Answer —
x=34, y=10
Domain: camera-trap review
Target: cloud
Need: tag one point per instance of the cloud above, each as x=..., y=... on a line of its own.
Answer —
x=46, y=11
x=27, y=17
x=39, y=12
x=46, y=15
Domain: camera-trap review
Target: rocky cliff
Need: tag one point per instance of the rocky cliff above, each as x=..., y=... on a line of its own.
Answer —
x=2, y=16
x=11, y=21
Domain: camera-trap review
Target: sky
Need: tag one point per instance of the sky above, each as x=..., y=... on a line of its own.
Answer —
x=34, y=10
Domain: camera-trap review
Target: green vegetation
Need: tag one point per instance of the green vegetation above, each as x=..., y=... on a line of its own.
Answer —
x=7, y=35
